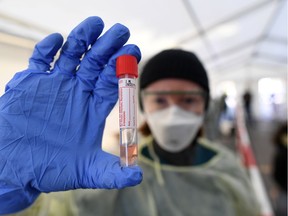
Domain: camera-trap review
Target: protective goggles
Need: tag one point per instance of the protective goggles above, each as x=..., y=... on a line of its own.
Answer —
x=188, y=100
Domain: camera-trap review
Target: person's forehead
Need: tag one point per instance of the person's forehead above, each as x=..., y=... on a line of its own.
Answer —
x=173, y=84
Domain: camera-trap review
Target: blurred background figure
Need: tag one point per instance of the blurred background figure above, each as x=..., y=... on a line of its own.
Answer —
x=216, y=115
x=247, y=101
x=280, y=169
x=222, y=104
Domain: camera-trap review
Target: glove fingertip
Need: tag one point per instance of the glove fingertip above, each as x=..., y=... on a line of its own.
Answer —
x=56, y=39
x=95, y=20
x=45, y=51
x=129, y=49
x=49, y=46
x=132, y=176
x=135, y=50
x=121, y=28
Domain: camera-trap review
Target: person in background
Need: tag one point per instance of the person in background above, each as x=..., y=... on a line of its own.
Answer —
x=247, y=101
x=280, y=168
x=217, y=108
x=184, y=173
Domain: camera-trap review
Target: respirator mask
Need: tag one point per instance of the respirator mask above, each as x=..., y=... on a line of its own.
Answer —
x=174, y=128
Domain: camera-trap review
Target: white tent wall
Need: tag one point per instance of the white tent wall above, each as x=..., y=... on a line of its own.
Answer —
x=12, y=60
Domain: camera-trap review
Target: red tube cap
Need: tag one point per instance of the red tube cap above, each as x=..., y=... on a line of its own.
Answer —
x=126, y=65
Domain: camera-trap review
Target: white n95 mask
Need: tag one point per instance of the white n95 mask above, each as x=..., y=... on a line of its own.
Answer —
x=174, y=128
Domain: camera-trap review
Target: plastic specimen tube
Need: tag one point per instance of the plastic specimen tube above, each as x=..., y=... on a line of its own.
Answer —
x=127, y=72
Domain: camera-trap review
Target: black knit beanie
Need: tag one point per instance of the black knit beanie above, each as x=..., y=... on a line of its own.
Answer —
x=174, y=63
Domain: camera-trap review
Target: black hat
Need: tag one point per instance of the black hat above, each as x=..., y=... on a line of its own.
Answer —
x=174, y=63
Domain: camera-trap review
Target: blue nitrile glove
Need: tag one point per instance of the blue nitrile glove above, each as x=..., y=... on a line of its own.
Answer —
x=52, y=122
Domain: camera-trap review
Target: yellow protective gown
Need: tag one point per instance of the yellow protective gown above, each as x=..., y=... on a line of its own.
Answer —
x=218, y=187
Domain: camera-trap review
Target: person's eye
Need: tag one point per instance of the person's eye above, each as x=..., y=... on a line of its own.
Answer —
x=160, y=101
x=189, y=100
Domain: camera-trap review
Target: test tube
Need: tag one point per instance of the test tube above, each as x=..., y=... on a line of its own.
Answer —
x=127, y=72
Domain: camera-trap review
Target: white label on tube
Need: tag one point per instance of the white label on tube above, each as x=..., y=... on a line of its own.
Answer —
x=127, y=103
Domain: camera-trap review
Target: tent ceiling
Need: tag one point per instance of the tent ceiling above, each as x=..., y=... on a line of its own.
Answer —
x=227, y=35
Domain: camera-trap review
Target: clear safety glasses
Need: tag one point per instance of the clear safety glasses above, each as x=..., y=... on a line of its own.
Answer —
x=193, y=101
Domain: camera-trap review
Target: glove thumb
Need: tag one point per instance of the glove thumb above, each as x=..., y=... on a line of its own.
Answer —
x=108, y=174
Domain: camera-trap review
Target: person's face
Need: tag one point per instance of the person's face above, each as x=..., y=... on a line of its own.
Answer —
x=168, y=92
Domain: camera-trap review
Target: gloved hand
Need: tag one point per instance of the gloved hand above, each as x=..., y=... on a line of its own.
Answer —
x=52, y=121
